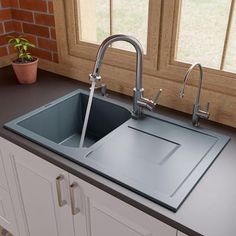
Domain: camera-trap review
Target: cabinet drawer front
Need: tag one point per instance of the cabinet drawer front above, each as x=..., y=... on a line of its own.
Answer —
x=7, y=217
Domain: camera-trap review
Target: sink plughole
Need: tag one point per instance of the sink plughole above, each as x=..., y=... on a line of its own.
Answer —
x=157, y=157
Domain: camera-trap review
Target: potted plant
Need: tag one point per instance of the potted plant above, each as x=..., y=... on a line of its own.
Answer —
x=25, y=65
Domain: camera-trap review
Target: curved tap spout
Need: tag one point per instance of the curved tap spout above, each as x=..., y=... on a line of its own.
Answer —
x=197, y=113
x=120, y=37
x=197, y=101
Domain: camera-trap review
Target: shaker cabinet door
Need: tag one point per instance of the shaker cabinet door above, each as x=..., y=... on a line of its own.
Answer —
x=78, y=207
x=43, y=193
x=7, y=217
x=108, y=215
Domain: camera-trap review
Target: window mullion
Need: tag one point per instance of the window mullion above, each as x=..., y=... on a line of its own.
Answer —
x=111, y=17
x=227, y=34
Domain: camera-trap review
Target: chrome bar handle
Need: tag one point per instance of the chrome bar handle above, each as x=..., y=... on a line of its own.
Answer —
x=61, y=202
x=75, y=210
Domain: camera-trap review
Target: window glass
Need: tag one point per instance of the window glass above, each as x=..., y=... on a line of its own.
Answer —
x=100, y=18
x=202, y=31
x=130, y=17
x=94, y=18
x=230, y=59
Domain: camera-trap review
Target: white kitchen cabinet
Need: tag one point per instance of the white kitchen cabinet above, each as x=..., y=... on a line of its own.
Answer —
x=43, y=193
x=78, y=207
x=7, y=215
x=50, y=201
x=107, y=215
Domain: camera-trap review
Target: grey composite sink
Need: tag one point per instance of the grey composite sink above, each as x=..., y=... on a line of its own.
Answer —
x=60, y=122
x=157, y=157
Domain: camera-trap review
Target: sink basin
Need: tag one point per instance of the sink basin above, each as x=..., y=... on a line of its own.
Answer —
x=157, y=157
x=61, y=121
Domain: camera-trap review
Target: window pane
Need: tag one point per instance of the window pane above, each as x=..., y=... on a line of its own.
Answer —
x=130, y=17
x=103, y=19
x=230, y=60
x=127, y=17
x=202, y=30
x=94, y=18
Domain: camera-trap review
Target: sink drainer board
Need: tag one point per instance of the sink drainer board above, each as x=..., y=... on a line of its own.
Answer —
x=157, y=157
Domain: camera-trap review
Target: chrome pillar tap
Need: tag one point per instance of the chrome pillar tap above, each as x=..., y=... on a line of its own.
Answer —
x=197, y=112
x=139, y=102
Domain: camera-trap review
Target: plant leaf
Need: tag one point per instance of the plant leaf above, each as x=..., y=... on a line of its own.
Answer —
x=23, y=39
x=25, y=47
x=11, y=41
x=31, y=45
x=18, y=45
x=21, y=45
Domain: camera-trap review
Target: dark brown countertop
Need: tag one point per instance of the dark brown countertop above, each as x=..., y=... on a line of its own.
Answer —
x=210, y=209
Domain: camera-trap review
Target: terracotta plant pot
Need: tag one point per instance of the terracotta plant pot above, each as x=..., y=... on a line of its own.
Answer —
x=26, y=73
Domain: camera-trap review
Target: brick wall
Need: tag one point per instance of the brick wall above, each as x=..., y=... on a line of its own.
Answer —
x=32, y=18
x=6, y=26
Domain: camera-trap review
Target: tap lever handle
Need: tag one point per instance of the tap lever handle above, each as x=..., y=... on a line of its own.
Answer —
x=207, y=106
x=147, y=103
x=144, y=103
x=157, y=97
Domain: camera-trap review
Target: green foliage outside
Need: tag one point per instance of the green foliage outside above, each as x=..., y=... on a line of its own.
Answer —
x=202, y=29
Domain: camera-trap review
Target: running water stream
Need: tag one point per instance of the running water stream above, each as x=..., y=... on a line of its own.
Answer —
x=87, y=114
